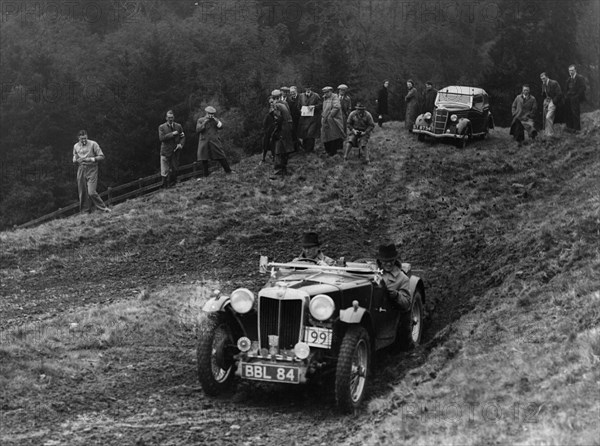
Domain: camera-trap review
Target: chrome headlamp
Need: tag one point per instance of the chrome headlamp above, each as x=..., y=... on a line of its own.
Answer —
x=321, y=307
x=453, y=118
x=242, y=300
x=427, y=116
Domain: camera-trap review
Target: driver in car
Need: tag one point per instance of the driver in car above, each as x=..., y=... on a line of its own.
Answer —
x=311, y=252
x=393, y=276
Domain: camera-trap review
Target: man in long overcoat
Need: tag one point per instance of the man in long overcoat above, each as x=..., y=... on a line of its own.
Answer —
x=382, y=103
x=524, y=109
x=574, y=94
x=345, y=101
x=309, y=125
x=210, y=146
x=282, y=136
x=292, y=102
x=332, y=122
x=412, y=105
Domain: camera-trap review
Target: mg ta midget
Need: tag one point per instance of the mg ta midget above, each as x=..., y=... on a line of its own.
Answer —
x=309, y=320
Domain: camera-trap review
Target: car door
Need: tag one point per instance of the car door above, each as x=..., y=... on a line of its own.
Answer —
x=384, y=313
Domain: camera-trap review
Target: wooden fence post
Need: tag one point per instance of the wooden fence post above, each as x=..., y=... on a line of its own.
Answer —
x=140, y=187
x=109, y=195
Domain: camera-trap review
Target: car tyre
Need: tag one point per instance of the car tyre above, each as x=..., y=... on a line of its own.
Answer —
x=353, y=367
x=215, y=371
x=410, y=327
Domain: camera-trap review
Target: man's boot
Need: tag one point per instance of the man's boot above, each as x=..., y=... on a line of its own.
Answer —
x=165, y=182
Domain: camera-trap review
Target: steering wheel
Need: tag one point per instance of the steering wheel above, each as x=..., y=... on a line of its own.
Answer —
x=306, y=259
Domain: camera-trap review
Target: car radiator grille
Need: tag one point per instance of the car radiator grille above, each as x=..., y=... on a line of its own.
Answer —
x=439, y=121
x=281, y=318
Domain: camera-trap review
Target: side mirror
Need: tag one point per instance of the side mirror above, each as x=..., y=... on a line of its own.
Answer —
x=262, y=265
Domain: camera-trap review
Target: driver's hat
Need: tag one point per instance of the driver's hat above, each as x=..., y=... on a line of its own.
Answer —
x=387, y=252
x=310, y=240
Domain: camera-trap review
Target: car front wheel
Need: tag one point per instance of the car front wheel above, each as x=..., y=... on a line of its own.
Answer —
x=353, y=368
x=410, y=327
x=215, y=370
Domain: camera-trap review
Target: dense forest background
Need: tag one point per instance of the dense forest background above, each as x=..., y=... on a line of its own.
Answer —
x=115, y=67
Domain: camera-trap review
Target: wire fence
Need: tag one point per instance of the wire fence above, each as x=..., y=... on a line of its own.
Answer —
x=118, y=194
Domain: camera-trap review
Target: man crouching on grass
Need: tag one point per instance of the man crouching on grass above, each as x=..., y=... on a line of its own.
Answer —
x=87, y=154
x=524, y=108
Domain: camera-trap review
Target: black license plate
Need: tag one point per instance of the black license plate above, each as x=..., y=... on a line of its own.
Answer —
x=270, y=372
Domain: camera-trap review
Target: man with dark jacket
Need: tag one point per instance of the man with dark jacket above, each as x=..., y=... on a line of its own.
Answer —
x=345, y=101
x=172, y=139
x=382, y=103
x=283, y=143
x=574, y=93
x=552, y=99
x=292, y=102
x=309, y=125
x=429, y=98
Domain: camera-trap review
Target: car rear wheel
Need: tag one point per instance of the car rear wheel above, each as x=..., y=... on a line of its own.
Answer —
x=215, y=370
x=353, y=366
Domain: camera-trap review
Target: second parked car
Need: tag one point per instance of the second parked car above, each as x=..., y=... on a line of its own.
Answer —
x=460, y=114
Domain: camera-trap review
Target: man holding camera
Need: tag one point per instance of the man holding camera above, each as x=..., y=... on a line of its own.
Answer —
x=360, y=124
x=210, y=146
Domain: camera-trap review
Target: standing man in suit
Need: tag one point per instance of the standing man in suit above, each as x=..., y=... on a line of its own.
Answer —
x=210, y=146
x=172, y=140
x=292, y=102
x=575, y=93
x=382, y=103
x=552, y=98
x=310, y=106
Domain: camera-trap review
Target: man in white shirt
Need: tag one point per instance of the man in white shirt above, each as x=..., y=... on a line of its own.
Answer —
x=87, y=154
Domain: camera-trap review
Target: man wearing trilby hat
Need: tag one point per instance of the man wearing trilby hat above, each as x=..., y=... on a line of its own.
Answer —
x=311, y=250
x=210, y=146
x=309, y=123
x=394, y=278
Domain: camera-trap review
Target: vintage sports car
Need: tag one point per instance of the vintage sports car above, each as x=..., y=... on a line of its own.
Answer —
x=307, y=321
x=461, y=114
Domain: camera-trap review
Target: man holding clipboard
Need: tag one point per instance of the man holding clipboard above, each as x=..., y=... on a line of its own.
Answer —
x=309, y=125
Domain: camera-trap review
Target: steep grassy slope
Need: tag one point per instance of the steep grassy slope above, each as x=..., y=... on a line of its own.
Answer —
x=99, y=312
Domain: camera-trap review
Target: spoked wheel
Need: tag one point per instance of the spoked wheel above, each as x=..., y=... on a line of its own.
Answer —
x=215, y=369
x=417, y=319
x=410, y=327
x=353, y=368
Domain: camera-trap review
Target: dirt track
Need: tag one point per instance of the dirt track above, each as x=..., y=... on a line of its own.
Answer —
x=152, y=396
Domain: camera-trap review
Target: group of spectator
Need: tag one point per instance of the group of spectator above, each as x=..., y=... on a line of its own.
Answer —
x=295, y=121
x=524, y=107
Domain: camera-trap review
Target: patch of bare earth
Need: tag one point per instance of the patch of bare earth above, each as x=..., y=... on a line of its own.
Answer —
x=100, y=313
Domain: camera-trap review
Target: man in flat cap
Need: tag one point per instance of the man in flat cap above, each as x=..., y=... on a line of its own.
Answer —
x=283, y=144
x=345, y=101
x=292, y=102
x=309, y=124
x=396, y=281
x=332, y=122
x=360, y=125
x=210, y=146
x=429, y=98
x=311, y=251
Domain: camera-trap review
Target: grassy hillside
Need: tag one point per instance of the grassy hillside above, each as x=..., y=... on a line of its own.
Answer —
x=98, y=313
